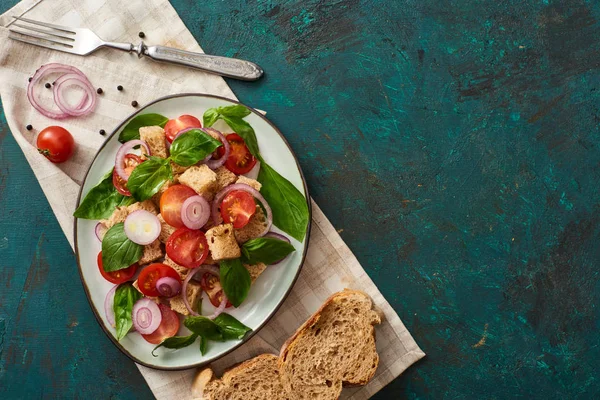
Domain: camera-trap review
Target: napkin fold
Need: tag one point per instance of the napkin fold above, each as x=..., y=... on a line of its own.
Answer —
x=330, y=265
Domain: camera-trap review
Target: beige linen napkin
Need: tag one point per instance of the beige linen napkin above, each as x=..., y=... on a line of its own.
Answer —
x=330, y=265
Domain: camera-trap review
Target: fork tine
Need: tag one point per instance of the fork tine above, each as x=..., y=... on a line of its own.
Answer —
x=47, y=25
x=50, y=45
x=44, y=31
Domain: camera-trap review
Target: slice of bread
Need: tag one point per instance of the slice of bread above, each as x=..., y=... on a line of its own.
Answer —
x=335, y=346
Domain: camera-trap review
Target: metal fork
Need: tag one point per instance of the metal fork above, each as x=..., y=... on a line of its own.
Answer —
x=83, y=41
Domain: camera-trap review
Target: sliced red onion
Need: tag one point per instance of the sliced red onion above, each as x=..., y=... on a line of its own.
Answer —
x=253, y=173
x=168, y=286
x=71, y=79
x=203, y=268
x=123, y=151
x=195, y=212
x=214, y=164
x=255, y=193
x=278, y=236
x=146, y=316
x=142, y=227
x=100, y=230
x=109, y=302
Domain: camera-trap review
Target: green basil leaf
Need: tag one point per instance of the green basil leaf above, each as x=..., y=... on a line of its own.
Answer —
x=246, y=131
x=101, y=200
x=118, y=251
x=125, y=297
x=235, y=280
x=289, y=206
x=265, y=250
x=132, y=129
x=203, y=345
x=204, y=327
x=231, y=328
x=210, y=117
x=148, y=177
x=192, y=146
x=236, y=110
x=176, y=342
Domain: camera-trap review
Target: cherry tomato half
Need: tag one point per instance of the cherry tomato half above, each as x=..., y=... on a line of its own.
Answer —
x=171, y=201
x=131, y=161
x=240, y=160
x=173, y=127
x=212, y=286
x=56, y=144
x=151, y=274
x=187, y=247
x=237, y=208
x=169, y=325
x=117, y=277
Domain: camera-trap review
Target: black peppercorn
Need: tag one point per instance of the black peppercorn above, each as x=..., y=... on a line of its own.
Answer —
x=102, y=132
x=119, y=88
x=29, y=127
x=47, y=85
x=142, y=34
x=99, y=91
x=134, y=103
x=30, y=78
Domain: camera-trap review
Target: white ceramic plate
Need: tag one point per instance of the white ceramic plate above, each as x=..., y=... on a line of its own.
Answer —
x=266, y=294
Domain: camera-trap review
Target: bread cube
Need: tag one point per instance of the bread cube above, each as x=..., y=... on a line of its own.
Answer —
x=224, y=178
x=253, y=183
x=222, y=243
x=255, y=226
x=166, y=230
x=255, y=270
x=117, y=216
x=147, y=205
x=152, y=252
x=194, y=293
x=156, y=139
x=200, y=178
x=182, y=271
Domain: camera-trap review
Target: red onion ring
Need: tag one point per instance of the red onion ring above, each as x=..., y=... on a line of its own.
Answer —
x=241, y=186
x=146, y=316
x=81, y=81
x=203, y=268
x=214, y=164
x=100, y=230
x=135, y=227
x=195, y=212
x=50, y=69
x=123, y=151
x=278, y=236
x=109, y=302
x=168, y=287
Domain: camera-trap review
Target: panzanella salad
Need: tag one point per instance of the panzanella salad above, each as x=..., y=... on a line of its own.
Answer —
x=188, y=209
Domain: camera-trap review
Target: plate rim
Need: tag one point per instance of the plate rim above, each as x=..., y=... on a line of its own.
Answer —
x=275, y=309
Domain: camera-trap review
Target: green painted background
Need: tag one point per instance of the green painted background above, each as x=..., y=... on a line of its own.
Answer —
x=454, y=144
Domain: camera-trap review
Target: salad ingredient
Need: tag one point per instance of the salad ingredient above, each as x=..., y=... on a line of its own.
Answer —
x=134, y=103
x=109, y=302
x=231, y=328
x=187, y=247
x=222, y=243
x=116, y=277
x=203, y=345
x=223, y=152
x=168, y=286
x=266, y=250
x=47, y=85
x=224, y=327
x=219, y=300
x=240, y=160
x=243, y=187
x=100, y=230
x=192, y=147
x=125, y=297
x=176, y=125
x=237, y=207
x=120, y=184
x=280, y=237
x=168, y=327
x=119, y=88
x=195, y=212
x=101, y=200
x=102, y=132
x=149, y=277
x=131, y=131
x=142, y=35
x=99, y=90
x=118, y=251
x=171, y=204
x=212, y=286
x=29, y=127
x=212, y=115
x=87, y=102
x=147, y=178
x=56, y=144
x=120, y=167
x=235, y=280
x=83, y=107
x=142, y=227
x=130, y=162
x=206, y=269
x=146, y=316
x=176, y=342
x=233, y=116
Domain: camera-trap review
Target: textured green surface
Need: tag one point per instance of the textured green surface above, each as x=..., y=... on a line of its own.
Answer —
x=454, y=144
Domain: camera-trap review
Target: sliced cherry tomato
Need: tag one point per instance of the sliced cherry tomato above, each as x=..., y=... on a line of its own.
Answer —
x=217, y=298
x=151, y=274
x=131, y=161
x=240, y=160
x=171, y=201
x=173, y=127
x=56, y=144
x=237, y=208
x=187, y=247
x=169, y=325
x=117, y=277
x=212, y=286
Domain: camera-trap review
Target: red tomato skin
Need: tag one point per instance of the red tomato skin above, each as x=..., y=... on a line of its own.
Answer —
x=184, y=246
x=240, y=160
x=56, y=144
x=152, y=273
x=131, y=161
x=168, y=327
x=175, y=125
x=237, y=208
x=117, y=277
x=171, y=201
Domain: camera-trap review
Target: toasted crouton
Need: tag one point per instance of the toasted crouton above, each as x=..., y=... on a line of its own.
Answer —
x=253, y=228
x=166, y=230
x=200, y=178
x=147, y=205
x=177, y=169
x=182, y=271
x=224, y=178
x=194, y=292
x=253, y=183
x=155, y=137
x=221, y=242
x=255, y=270
x=152, y=252
x=117, y=216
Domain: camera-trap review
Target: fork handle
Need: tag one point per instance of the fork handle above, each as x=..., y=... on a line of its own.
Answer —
x=230, y=67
